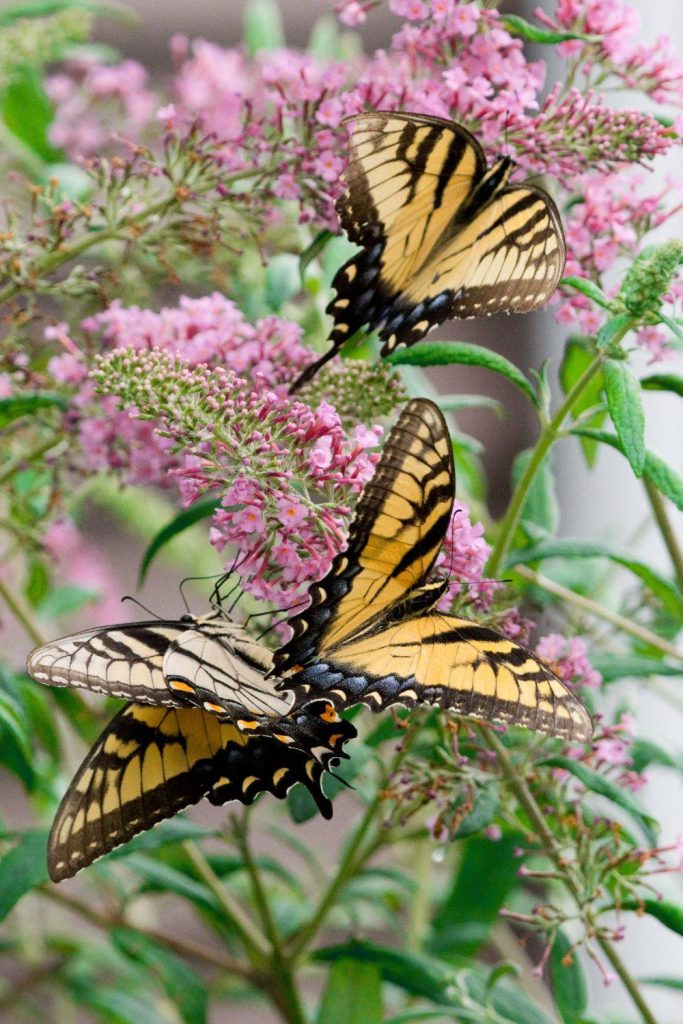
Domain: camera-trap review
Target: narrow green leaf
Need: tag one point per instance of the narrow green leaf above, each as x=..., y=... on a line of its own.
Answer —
x=484, y=810
x=661, y=474
x=44, y=8
x=674, y=983
x=573, y=548
x=541, y=509
x=578, y=356
x=420, y=976
x=597, y=783
x=27, y=112
x=183, y=985
x=262, y=26
x=673, y=326
x=517, y=26
x=625, y=405
x=175, y=830
x=314, y=250
x=166, y=879
x=442, y=353
x=283, y=280
x=622, y=666
x=28, y=404
x=22, y=868
x=115, y=1005
x=667, y=913
x=65, y=601
x=353, y=994
x=482, y=881
x=645, y=752
x=188, y=517
x=567, y=980
x=586, y=287
x=13, y=719
x=663, y=382
x=454, y=403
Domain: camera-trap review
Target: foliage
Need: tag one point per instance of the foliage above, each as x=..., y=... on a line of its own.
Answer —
x=129, y=213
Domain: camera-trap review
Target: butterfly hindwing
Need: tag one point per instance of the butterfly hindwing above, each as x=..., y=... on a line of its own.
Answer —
x=393, y=542
x=150, y=762
x=441, y=236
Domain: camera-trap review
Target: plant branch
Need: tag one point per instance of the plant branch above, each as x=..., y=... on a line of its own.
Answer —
x=253, y=941
x=599, y=611
x=549, y=434
x=21, y=613
x=668, y=536
x=519, y=787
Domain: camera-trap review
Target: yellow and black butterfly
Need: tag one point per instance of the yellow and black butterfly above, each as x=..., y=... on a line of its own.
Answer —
x=442, y=236
x=206, y=722
x=371, y=633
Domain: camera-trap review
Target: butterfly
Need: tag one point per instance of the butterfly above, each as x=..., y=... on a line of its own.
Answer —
x=441, y=234
x=372, y=634
x=173, y=744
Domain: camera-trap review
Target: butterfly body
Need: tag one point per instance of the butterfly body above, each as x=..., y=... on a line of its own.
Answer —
x=372, y=633
x=441, y=234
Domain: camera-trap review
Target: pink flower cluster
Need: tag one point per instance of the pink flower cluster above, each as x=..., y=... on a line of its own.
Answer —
x=463, y=558
x=283, y=471
x=91, y=98
x=655, y=69
x=569, y=659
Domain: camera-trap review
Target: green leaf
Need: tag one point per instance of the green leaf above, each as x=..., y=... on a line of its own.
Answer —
x=423, y=977
x=673, y=326
x=314, y=250
x=167, y=879
x=482, y=881
x=674, y=983
x=44, y=8
x=567, y=980
x=587, y=288
x=541, y=509
x=663, y=382
x=283, y=280
x=65, y=601
x=517, y=26
x=27, y=112
x=115, y=1005
x=645, y=752
x=573, y=548
x=578, y=356
x=612, y=329
x=667, y=913
x=22, y=868
x=175, y=830
x=442, y=353
x=13, y=719
x=353, y=994
x=183, y=985
x=454, y=403
x=484, y=810
x=27, y=404
x=597, y=783
x=188, y=517
x=625, y=405
x=657, y=471
x=262, y=26
x=622, y=666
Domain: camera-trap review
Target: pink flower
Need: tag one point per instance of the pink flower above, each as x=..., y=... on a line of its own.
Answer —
x=612, y=751
x=292, y=512
x=464, y=19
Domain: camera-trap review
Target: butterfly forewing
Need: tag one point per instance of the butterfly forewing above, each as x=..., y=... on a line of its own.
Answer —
x=395, y=537
x=122, y=661
x=151, y=761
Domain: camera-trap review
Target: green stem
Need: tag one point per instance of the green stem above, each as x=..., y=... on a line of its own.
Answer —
x=599, y=611
x=16, y=464
x=278, y=982
x=21, y=613
x=525, y=798
x=549, y=434
x=254, y=943
x=666, y=530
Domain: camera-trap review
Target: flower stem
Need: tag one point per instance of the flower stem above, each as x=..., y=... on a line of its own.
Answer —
x=519, y=787
x=599, y=611
x=666, y=530
x=549, y=434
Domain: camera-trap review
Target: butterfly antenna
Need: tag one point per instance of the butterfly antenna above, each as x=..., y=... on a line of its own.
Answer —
x=129, y=597
x=278, y=622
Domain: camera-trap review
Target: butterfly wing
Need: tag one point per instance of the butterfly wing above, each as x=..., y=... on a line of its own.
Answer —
x=394, y=539
x=407, y=175
x=150, y=762
x=220, y=668
x=451, y=662
x=122, y=661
